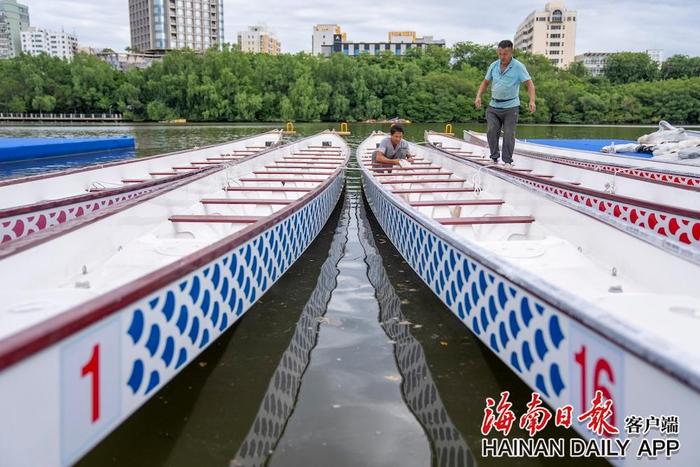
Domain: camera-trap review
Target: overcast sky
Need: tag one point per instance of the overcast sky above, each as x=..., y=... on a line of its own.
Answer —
x=603, y=25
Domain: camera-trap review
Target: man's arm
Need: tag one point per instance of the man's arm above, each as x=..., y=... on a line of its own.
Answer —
x=382, y=159
x=531, y=91
x=482, y=88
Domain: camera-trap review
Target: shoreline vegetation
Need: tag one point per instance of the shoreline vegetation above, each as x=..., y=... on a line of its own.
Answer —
x=437, y=85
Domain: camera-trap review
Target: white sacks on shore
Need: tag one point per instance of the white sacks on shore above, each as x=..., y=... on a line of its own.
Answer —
x=667, y=143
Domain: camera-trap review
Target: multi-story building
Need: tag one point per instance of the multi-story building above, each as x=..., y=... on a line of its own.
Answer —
x=37, y=41
x=6, y=46
x=124, y=61
x=550, y=32
x=399, y=44
x=400, y=37
x=323, y=36
x=176, y=24
x=257, y=39
x=15, y=20
x=595, y=61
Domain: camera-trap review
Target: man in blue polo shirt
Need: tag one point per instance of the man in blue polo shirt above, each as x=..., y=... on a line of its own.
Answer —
x=506, y=75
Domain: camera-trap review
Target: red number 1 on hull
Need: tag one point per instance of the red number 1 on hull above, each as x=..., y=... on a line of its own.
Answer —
x=92, y=367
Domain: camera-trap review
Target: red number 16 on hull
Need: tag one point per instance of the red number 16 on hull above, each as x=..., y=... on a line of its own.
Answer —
x=595, y=365
x=90, y=387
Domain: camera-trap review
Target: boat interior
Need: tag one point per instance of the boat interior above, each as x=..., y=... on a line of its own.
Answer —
x=162, y=230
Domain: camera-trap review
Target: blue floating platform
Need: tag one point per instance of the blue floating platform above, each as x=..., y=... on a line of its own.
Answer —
x=594, y=145
x=21, y=149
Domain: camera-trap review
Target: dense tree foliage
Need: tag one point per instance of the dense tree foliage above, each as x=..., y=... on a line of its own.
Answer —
x=625, y=67
x=680, y=66
x=435, y=85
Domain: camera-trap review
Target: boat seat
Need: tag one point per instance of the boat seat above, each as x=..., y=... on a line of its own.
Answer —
x=251, y=201
x=433, y=190
x=486, y=220
x=423, y=181
x=267, y=188
x=283, y=180
x=290, y=172
x=400, y=169
x=457, y=202
x=413, y=174
x=215, y=219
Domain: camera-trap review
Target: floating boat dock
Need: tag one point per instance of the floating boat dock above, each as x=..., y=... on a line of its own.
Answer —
x=19, y=149
x=593, y=145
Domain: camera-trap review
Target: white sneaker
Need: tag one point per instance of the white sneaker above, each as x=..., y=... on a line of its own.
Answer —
x=508, y=166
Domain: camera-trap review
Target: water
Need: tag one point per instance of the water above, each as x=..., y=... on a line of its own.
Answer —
x=382, y=373
x=158, y=138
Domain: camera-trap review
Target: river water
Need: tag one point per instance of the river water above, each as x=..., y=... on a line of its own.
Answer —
x=349, y=360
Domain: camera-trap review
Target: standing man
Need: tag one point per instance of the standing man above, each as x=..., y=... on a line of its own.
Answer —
x=392, y=149
x=506, y=74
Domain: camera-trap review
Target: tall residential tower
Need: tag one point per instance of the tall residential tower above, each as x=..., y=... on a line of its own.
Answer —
x=176, y=24
x=258, y=39
x=14, y=18
x=37, y=41
x=551, y=32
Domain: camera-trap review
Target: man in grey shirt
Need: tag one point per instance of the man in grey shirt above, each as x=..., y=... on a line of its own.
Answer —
x=392, y=149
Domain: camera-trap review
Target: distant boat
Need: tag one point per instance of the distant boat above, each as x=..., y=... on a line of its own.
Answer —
x=32, y=204
x=569, y=304
x=94, y=322
x=175, y=121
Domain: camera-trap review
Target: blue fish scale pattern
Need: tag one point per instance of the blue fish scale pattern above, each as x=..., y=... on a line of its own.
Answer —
x=525, y=332
x=168, y=329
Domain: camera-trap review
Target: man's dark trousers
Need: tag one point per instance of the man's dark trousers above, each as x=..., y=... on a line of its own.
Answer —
x=505, y=119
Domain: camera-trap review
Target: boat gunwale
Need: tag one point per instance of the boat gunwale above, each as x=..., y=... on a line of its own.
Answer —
x=92, y=195
x=32, y=340
x=659, y=170
x=58, y=173
x=561, y=300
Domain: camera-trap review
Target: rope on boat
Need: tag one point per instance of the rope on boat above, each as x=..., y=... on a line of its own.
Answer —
x=610, y=187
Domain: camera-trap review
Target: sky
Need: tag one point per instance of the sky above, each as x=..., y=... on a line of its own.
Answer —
x=603, y=25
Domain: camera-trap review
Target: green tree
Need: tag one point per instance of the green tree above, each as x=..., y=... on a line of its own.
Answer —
x=44, y=104
x=627, y=67
x=579, y=70
x=680, y=66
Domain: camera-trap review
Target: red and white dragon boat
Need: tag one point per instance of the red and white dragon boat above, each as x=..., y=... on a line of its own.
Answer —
x=568, y=303
x=95, y=321
x=32, y=204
